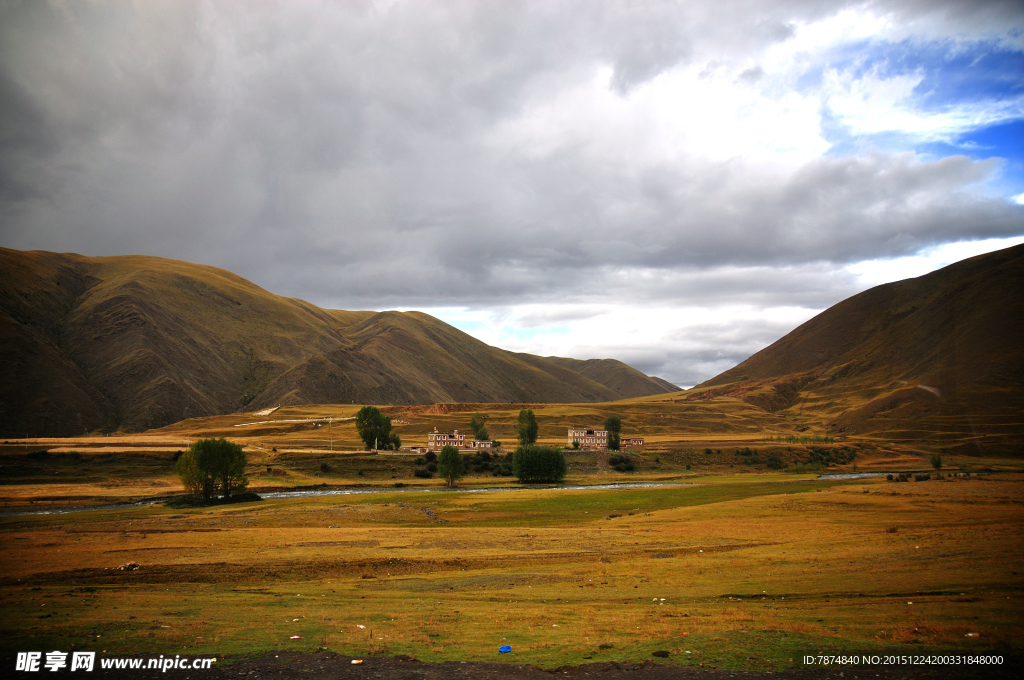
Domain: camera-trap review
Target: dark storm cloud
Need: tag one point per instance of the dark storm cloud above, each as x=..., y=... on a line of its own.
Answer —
x=366, y=154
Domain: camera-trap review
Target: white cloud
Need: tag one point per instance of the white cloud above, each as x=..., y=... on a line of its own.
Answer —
x=878, y=271
x=872, y=103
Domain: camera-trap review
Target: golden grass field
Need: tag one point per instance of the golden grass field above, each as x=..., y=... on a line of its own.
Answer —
x=734, y=566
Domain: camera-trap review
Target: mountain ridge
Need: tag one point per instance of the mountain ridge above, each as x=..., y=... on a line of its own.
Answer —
x=937, y=357
x=134, y=342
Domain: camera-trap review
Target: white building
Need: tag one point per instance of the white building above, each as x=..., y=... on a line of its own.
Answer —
x=438, y=440
x=589, y=439
x=598, y=439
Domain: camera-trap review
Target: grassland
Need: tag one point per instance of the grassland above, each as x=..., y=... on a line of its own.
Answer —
x=739, y=571
x=728, y=564
x=314, y=445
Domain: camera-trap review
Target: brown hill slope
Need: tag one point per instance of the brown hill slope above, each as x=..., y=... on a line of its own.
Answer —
x=937, y=358
x=616, y=375
x=138, y=342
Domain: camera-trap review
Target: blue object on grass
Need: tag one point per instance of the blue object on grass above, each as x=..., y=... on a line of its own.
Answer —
x=505, y=649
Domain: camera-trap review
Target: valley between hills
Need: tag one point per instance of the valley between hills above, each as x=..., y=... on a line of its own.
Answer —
x=757, y=525
x=127, y=344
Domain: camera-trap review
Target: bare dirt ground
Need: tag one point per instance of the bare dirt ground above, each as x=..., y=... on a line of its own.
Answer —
x=326, y=666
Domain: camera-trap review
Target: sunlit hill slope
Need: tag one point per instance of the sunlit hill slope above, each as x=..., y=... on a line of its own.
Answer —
x=937, y=358
x=137, y=342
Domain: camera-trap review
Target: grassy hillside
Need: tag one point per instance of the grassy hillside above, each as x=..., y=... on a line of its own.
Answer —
x=933, y=358
x=137, y=342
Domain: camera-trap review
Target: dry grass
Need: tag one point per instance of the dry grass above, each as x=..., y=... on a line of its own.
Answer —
x=746, y=567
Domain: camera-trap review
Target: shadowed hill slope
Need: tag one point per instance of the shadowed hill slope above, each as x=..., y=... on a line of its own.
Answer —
x=937, y=357
x=136, y=342
x=616, y=375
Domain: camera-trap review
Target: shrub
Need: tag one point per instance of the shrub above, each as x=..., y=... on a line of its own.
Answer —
x=534, y=464
x=575, y=445
x=324, y=467
x=422, y=473
x=707, y=452
x=430, y=456
x=449, y=465
x=41, y=454
x=432, y=467
x=774, y=462
x=936, y=462
x=922, y=478
x=889, y=477
x=622, y=463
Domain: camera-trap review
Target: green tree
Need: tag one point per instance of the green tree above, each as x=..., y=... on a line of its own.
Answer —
x=527, y=428
x=213, y=466
x=614, y=426
x=476, y=423
x=937, y=462
x=375, y=429
x=449, y=465
x=533, y=464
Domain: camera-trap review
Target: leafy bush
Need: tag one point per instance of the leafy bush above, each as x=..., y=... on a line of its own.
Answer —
x=430, y=456
x=422, y=473
x=922, y=478
x=324, y=467
x=622, y=463
x=534, y=464
x=41, y=454
x=774, y=462
x=211, y=466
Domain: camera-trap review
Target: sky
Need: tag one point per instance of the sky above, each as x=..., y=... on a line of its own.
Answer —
x=672, y=184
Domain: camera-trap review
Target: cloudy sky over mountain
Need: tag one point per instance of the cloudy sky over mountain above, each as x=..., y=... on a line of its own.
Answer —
x=673, y=184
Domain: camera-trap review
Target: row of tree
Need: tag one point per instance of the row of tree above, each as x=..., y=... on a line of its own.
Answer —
x=217, y=466
x=531, y=464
